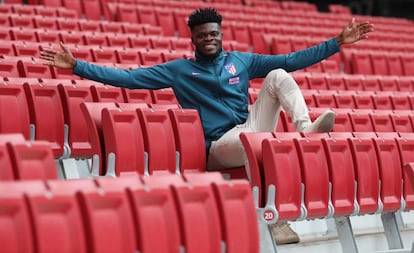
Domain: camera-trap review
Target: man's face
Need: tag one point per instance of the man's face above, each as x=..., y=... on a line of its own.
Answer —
x=207, y=38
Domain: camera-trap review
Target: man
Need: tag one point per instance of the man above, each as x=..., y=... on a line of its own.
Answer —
x=216, y=84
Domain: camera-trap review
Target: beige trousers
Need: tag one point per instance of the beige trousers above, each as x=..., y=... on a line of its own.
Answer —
x=279, y=90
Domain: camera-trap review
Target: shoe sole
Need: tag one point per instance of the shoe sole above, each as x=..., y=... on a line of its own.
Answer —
x=326, y=122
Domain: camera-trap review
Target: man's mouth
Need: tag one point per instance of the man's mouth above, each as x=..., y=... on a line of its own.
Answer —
x=209, y=46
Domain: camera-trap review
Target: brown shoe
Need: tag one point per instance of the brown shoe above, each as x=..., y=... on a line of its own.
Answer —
x=283, y=233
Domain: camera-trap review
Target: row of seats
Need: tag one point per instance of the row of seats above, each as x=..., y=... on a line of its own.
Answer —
x=329, y=80
x=169, y=27
x=135, y=138
x=378, y=62
x=52, y=112
x=380, y=100
x=15, y=51
x=358, y=120
x=17, y=7
x=321, y=175
x=30, y=23
x=194, y=213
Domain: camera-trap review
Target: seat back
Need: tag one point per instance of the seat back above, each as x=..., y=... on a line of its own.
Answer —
x=341, y=175
x=366, y=174
x=159, y=140
x=92, y=112
x=252, y=143
x=281, y=168
x=46, y=116
x=390, y=172
x=315, y=176
x=33, y=160
x=13, y=101
x=124, y=145
x=187, y=126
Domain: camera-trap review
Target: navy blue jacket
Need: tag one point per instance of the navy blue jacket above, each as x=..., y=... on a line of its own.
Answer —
x=216, y=88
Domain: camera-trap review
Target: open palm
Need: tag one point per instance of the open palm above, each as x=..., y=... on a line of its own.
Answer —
x=61, y=59
x=354, y=32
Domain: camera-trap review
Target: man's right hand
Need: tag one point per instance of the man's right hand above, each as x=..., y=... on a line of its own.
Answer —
x=60, y=59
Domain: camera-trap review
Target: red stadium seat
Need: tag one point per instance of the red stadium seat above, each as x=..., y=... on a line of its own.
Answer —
x=165, y=19
x=407, y=61
x=164, y=96
x=279, y=154
x=382, y=101
x=155, y=204
x=371, y=83
x=159, y=140
x=58, y=215
x=198, y=201
x=137, y=96
x=361, y=122
x=402, y=122
x=120, y=127
x=379, y=63
x=8, y=67
x=13, y=101
x=161, y=43
x=72, y=96
x=388, y=83
x=252, y=143
x=381, y=122
x=91, y=9
x=390, y=172
x=89, y=25
x=345, y=99
x=315, y=177
x=281, y=45
x=341, y=175
x=74, y=5
x=20, y=21
x=94, y=39
x=186, y=124
x=235, y=209
x=105, y=93
x=7, y=172
x=325, y=98
x=46, y=23
x=69, y=25
x=342, y=120
x=394, y=64
x=361, y=63
x=317, y=82
x=106, y=208
x=152, y=57
x=92, y=112
x=46, y=116
x=146, y=15
x=366, y=174
x=34, y=161
x=17, y=232
x=406, y=148
x=33, y=69
x=364, y=100
x=353, y=82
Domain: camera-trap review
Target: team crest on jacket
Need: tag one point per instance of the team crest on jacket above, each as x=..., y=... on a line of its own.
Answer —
x=231, y=68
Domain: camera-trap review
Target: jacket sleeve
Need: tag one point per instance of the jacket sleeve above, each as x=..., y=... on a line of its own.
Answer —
x=155, y=77
x=263, y=64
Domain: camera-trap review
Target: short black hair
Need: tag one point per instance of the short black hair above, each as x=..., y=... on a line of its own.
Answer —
x=202, y=16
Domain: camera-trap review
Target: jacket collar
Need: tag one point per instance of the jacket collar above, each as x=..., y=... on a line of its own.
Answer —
x=203, y=59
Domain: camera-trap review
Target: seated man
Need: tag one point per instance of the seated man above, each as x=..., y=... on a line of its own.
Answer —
x=216, y=82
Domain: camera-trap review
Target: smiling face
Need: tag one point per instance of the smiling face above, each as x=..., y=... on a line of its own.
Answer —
x=207, y=39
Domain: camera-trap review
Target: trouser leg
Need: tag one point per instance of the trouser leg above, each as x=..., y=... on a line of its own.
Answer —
x=278, y=91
